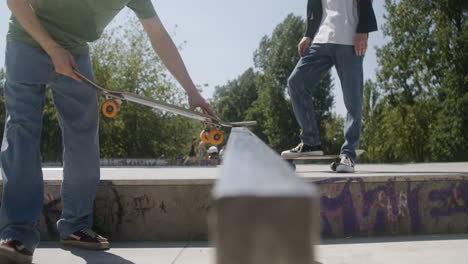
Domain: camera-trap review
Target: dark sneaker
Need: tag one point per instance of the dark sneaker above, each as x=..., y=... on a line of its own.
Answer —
x=346, y=165
x=87, y=239
x=302, y=150
x=13, y=251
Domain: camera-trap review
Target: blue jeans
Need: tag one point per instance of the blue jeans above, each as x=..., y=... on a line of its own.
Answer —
x=28, y=71
x=310, y=69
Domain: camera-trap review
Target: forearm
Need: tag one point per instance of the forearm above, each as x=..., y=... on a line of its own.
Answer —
x=26, y=16
x=165, y=48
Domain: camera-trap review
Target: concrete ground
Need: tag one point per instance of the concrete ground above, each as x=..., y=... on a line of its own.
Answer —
x=433, y=249
x=206, y=175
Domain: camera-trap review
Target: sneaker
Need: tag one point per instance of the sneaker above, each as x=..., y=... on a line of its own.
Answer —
x=13, y=251
x=302, y=150
x=346, y=165
x=87, y=239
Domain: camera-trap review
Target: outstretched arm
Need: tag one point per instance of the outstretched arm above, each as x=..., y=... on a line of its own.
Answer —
x=63, y=61
x=165, y=48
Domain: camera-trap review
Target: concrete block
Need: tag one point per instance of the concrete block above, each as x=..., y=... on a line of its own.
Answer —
x=262, y=213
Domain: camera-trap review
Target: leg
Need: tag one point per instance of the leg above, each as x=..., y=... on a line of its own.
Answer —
x=77, y=109
x=349, y=68
x=309, y=71
x=27, y=71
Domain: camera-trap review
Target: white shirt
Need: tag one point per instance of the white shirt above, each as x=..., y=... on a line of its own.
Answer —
x=339, y=22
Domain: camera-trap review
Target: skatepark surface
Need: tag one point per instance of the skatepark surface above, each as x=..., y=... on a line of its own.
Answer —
x=434, y=249
x=206, y=175
x=427, y=249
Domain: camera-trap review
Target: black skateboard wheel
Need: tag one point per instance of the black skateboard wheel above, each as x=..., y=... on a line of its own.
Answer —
x=334, y=165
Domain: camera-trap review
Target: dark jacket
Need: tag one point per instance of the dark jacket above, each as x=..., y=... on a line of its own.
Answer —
x=367, y=22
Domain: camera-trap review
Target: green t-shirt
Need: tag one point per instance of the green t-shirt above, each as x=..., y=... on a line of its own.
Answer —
x=74, y=23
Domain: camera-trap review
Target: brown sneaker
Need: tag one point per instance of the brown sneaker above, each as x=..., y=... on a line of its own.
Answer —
x=13, y=251
x=87, y=239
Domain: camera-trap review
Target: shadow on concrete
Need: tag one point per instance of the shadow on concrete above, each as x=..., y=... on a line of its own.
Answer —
x=98, y=257
x=160, y=244
x=135, y=244
x=390, y=239
x=90, y=256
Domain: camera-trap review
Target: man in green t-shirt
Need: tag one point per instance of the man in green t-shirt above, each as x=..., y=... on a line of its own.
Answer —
x=46, y=41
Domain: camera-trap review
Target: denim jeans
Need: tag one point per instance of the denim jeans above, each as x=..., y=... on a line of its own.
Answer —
x=28, y=71
x=311, y=68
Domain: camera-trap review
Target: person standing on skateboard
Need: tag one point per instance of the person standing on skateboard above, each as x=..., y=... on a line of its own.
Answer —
x=337, y=34
x=46, y=41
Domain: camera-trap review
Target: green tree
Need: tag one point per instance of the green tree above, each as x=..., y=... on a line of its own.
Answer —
x=232, y=100
x=371, y=138
x=332, y=133
x=422, y=82
x=129, y=64
x=449, y=133
x=51, y=137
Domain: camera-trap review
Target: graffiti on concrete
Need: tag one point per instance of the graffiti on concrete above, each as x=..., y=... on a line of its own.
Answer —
x=352, y=206
x=349, y=206
x=116, y=210
x=452, y=200
x=162, y=208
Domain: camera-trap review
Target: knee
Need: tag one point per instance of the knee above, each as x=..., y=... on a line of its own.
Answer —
x=294, y=83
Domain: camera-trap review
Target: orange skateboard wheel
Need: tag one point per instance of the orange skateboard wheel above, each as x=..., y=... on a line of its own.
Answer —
x=110, y=109
x=204, y=137
x=216, y=137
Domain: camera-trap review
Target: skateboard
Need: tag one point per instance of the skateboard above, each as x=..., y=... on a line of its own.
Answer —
x=333, y=165
x=212, y=125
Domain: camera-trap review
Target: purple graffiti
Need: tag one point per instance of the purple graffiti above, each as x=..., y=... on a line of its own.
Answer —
x=413, y=206
x=454, y=200
x=373, y=195
x=343, y=201
x=353, y=206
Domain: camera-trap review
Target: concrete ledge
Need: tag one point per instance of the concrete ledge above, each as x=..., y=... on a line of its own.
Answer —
x=135, y=204
x=146, y=162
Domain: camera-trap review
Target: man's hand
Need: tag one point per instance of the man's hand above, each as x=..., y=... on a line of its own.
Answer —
x=360, y=43
x=64, y=62
x=196, y=100
x=304, y=45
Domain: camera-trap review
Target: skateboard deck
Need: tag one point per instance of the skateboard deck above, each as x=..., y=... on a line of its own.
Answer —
x=333, y=165
x=359, y=152
x=210, y=134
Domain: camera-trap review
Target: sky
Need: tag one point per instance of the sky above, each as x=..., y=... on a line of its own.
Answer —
x=222, y=36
